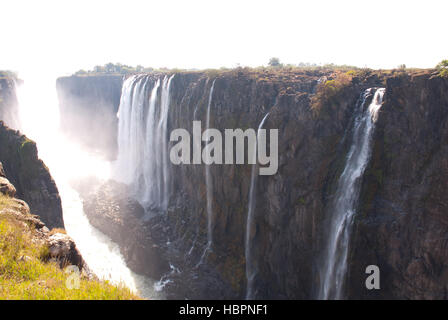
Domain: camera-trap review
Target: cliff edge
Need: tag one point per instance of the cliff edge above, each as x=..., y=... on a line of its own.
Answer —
x=30, y=176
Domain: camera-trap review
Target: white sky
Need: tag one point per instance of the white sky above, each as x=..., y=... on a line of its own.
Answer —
x=64, y=36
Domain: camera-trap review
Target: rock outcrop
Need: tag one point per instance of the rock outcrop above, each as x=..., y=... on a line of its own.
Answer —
x=61, y=247
x=30, y=176
x=112, y=210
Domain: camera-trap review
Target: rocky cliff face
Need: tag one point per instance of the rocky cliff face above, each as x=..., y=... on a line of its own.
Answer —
x=289, y=211
x=61, y=248
x=400, y=222
x=88, y=107
x=30, y=176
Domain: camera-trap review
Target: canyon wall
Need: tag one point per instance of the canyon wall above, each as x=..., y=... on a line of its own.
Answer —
x=88, y=107
x=30, y=176
x=22, y=165
x=399, y=224
x=402, y=223
x=289, y=207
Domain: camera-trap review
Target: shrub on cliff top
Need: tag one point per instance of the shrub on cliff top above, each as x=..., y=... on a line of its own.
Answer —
x=275, y=62
x=328, y=90
x=442, y=67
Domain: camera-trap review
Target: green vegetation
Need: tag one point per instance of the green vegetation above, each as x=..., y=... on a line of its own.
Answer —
x=27, y=273
x=442, y=68
x=301, y=201
x=113, y=69
x=329, y=89
x=275, y=62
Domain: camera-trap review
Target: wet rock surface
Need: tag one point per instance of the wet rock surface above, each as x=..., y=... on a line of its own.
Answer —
x=114, y=212
x=145, y=242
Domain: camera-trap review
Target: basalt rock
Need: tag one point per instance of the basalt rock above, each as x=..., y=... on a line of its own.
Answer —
x=113, y=211
x=62, y=248
x=6, y=187
x=2, y=172
x=400, y=223
x=30, y=176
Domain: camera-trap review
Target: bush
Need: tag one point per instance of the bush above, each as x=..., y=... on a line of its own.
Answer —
x=113, y=69
x=442, y=67
x=328, y=90
x=275, y=62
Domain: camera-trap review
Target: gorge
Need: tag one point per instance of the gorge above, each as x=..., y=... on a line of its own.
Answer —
x=360, y=181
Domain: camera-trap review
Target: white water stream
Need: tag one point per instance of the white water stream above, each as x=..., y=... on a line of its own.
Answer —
x=346, y=197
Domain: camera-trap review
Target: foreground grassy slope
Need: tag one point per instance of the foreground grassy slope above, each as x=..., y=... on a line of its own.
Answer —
x=26, y=272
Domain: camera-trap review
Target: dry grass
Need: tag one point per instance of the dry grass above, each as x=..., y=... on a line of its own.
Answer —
x=26, y=273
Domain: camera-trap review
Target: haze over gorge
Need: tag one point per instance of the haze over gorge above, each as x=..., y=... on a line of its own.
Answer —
x=361, y=179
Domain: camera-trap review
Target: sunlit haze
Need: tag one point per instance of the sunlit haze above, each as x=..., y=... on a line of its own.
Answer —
x=61, y=37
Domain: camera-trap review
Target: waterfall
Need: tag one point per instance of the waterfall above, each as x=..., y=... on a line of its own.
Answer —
x=143, y=141
x=250, y=270
x=150, y=170
x=208, y=179
x=130, y=138
x=68, y=163
x=346, y=197
x=209, y=188
x=9, y=109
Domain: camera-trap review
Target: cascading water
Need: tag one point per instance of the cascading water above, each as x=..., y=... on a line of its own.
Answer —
x=142, y=140
x=209, y=188
x=130, y=137
x=10, y=115
x=250, y=270
x=208, y=179
x=67, y=162
x=346, y=197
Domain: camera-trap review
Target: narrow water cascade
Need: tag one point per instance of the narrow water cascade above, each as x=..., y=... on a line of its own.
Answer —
x=346, y=197
x=208, y=187
x=250, y=270
x=208, y=180
x=69, y=163
x=142, y=140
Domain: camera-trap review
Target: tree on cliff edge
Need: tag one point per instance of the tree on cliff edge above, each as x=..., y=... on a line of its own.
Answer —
x=275, y=62
x=443, y=68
